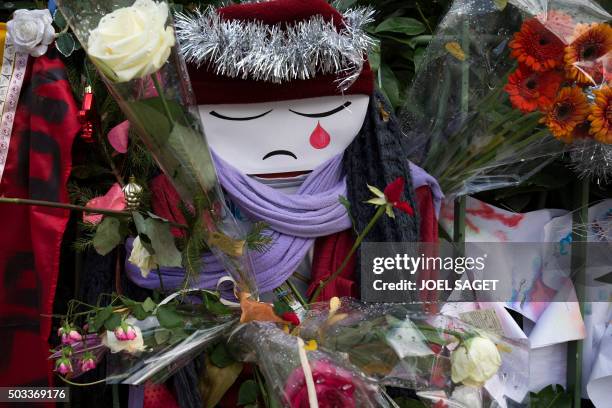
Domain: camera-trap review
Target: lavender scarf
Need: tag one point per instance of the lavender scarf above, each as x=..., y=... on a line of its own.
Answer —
x=294, y=220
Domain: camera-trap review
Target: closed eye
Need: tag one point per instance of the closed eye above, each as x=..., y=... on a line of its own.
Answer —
x=220, y=116
x=323, y=114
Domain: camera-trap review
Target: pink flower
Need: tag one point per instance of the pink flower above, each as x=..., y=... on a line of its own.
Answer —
x=69, y=335
x=63, y=366
x=112, y=200
x=125, y=333
x=88, y=362
x=118, y=136
x=120, y=334
x=334, y=386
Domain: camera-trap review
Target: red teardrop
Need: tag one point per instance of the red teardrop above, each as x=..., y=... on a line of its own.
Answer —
x=319, y=138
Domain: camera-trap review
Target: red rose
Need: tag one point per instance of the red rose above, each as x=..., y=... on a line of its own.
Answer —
x=334, y=386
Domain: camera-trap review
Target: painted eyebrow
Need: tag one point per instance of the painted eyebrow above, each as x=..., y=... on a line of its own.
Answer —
x=220, y=116
x=323, y=114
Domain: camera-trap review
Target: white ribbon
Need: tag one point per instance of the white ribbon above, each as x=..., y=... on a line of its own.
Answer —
x=310, y=386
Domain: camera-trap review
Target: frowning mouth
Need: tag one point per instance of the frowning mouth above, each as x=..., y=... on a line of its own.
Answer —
x=279, y=153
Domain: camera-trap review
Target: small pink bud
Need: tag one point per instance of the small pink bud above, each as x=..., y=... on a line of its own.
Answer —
x=88, y=364
x=75, y=336
x=131, y=333
x=120, y=333
x=63, y=366
x=66, y=339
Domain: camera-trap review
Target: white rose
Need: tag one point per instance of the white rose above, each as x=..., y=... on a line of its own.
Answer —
x=467, y=396
x=475, y=361
x=132, y=42
x=31, y=31
x=141, y=257
x=131, y=346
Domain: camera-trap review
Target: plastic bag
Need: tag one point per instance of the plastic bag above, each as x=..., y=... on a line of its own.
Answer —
x=153, y=90
x=277, y=354
x=497, y=81
x=396, y=345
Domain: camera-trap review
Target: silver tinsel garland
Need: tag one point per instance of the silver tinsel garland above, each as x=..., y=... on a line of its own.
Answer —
x=592, y=160
x=253, y=50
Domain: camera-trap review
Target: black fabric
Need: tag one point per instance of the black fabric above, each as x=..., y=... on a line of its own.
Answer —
x=377, y=156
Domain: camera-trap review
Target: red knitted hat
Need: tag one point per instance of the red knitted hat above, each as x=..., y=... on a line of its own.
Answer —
x=213, y=85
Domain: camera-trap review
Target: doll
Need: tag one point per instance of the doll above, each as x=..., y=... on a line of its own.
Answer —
x=286, y=97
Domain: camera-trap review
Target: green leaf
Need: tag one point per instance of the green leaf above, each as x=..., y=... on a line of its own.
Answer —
x=374, y=59
x=195, y=170
x=390, y=85
x=419, y=53
x=163, y=243
x=138, y=312
x=404, y=25
x=107, y=235
x=162, y=336
x=247, y=393
x=65, y=44
x=500, y=4
x=59, y=19
x=217, y=381
x=220, y=356
x=148, y=305
x=139, y=222
x=101, y=317
x=112, y=322
x=553, y=396
x=214, y=305
x=168, y=318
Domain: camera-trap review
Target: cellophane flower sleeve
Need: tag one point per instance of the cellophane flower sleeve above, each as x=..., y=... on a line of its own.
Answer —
x=133, y=45
x=503, y=87
x=394, y=345
x=276, y=353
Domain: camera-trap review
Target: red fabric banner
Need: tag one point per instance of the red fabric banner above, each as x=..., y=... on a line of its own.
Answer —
x=37, y=167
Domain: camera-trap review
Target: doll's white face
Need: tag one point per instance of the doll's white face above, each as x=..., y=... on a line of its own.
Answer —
x=285, y=136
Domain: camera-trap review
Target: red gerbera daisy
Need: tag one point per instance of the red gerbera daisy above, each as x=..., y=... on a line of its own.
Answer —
x=530, y=90
x=537, y=47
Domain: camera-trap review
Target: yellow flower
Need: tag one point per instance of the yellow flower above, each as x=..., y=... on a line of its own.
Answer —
x=584, y=56
x=569, y=109
x=601, y=115
x=311, y=345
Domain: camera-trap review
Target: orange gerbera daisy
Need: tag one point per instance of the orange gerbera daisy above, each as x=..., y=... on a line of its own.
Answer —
x=537, y=47
x=585, y=56
x=530, y=90
x=569, y=109
x=601, y=115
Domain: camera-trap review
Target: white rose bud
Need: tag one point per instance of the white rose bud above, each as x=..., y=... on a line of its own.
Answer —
x=131, y=346
x=141, y=257
x=31, y=31
x=132, y=42
x=475, y=361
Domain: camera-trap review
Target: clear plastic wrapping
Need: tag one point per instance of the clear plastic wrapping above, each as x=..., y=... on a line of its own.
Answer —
x=277, y=355
x=498, y=81
x=394, y=345
x=133, y=46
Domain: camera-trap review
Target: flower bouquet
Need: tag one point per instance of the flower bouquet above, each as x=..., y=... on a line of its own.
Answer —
x=133, y=45
x=140, y=340
x=441, y=358
x=516, y=81
x=299, y=375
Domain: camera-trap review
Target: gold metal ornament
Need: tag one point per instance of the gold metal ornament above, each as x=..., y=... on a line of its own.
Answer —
x=132, y=192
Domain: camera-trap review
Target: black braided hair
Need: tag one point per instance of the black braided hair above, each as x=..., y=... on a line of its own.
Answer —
x=377, y=156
